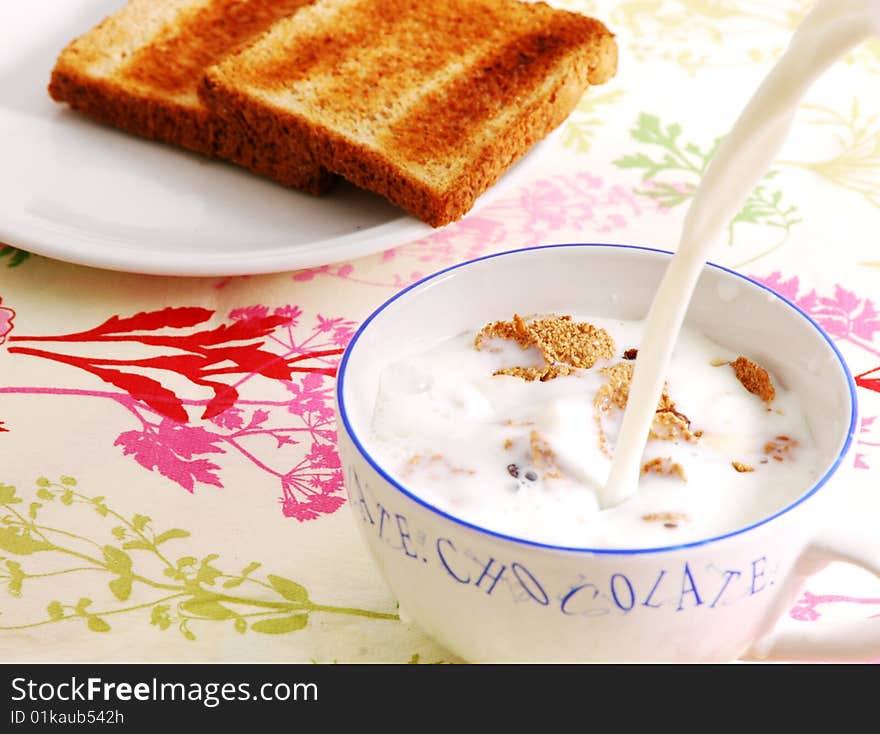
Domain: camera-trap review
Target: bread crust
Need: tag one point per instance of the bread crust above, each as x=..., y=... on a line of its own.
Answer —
x=550, y=72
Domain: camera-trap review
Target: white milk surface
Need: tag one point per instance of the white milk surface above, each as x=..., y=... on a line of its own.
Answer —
x=454, y=435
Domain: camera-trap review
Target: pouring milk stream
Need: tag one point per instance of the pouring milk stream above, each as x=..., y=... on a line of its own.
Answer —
x=831, y=29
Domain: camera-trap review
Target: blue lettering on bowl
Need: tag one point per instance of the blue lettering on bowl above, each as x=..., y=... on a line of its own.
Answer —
x=615, y=592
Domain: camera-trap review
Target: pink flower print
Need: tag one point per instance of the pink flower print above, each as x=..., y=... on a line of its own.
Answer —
x=580, y=202
x=310, y=273
x=312, y=398
x=462, y=240
x=844, y=315
x=868, y=441
x=291, y=313
x=342, y=334
x=807, y=607
x=323, y=456
x=311, y=491
x=325, y=324
x=315, y=506
x=229, y=418
x=235, y=424
x=785, y=288
x=341, y=330
x=545, y=203
x=249, y=312
x=6, y=317
x=326, y=503
x=173, y=448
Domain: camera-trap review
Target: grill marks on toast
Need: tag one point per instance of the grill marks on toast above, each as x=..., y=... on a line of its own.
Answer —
x=491, y=90
x=378, y=76
x=200, y=36
x=326, y=37
x=426, y=104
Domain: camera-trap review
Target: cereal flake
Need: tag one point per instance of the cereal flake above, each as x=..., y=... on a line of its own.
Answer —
x=669, y=424
x=669, y=519
x=565, y=344
x=754, y=378
x=780, y=448
x=664, y=465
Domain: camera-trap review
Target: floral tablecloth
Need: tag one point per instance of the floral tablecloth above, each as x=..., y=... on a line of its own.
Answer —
x=169, y=484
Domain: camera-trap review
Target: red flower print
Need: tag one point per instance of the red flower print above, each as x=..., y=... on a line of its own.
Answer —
x=285, y=429
x=866, y=381
x=203, y=357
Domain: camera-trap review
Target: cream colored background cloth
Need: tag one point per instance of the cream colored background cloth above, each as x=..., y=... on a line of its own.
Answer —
x=94, y=476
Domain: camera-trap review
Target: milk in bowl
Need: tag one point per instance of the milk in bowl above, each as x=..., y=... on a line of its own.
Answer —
x=512, y=425
x=476, y=425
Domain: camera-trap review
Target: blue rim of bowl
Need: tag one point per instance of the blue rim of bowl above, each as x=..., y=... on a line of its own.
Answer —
x=578, y=549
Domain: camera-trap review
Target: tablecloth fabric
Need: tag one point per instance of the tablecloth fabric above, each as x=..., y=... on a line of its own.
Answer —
x=199, y=514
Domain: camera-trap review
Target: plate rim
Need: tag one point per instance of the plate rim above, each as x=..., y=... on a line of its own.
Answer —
x=67, y=242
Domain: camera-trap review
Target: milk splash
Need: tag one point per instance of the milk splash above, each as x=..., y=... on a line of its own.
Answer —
x=827, y=33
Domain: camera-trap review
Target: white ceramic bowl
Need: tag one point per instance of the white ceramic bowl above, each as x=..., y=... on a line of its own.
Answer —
x=491, y=597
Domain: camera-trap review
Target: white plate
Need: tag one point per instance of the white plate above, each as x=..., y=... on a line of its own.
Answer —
x=79, y=191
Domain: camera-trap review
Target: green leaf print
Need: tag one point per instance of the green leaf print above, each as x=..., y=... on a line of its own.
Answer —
x=856, y=163
x=19, y=542
x=96, y=624
x=671, y=169
x=281, y=626
x=207, y=609
x=7, y=495
x=171, y=535
x=245, y=572
x=117, y=561
x=121, y=587
x=586, y=120
x=180, y=592
x=13, y=256
x=288, y=589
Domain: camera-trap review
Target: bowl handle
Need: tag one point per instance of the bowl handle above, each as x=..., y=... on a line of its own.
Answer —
x=850, y=641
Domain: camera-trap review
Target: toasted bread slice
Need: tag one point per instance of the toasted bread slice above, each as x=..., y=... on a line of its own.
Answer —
x=424, y=103
x=140, y=70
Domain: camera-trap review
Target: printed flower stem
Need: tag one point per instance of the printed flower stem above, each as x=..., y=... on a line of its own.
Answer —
x=112, y=513
x=98, y=565
x=247, y=454
x=106, y=613
x=194, y=591
x=62, y=573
